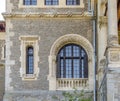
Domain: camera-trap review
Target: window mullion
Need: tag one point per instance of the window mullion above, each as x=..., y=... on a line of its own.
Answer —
x=64, y=63
x=80, y=62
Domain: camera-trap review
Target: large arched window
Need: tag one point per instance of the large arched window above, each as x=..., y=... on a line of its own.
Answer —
x=72, y=62
x=29, y=60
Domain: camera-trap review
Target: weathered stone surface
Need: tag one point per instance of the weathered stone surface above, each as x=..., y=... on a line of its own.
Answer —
x=48, y=30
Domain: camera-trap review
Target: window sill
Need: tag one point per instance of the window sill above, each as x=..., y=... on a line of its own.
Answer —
x=29, y=77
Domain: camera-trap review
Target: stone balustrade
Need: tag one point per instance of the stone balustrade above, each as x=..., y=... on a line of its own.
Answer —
x=69, y=83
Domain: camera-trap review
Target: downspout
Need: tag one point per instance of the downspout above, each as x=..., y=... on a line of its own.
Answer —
x=95, y=46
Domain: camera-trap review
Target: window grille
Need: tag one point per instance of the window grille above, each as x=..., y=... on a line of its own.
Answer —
x=30, y=2
x=30, y=60
x=72, y=62
x=72, y=2
x=51, y=2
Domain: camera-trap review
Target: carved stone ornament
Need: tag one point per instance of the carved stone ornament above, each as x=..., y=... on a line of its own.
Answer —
x=113, y=40
x=114, y=57
x=102, y=62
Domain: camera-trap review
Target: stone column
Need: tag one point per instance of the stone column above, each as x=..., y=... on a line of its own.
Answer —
x=112, y=22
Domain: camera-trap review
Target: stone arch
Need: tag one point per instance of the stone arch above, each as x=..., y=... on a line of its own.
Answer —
x=57, y=45
x=71, y=38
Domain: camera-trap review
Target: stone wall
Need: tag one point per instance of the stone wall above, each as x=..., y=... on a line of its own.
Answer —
x=2, y=81
x=48, y=30
x=2, y=70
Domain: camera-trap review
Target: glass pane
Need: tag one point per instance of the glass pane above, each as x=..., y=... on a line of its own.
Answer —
x=30, y=64
x=30, y=60
x=62, y=67
x=51, y=2
x=68, y=68
x=76, y=51
x=68, y=51
x=30, y=51
x=34, y=2
x=73, y=62
x=76, y=71
x=26, y=2
x=72, y=2
x=61, y=53
x=30, y=2
x=82, y=68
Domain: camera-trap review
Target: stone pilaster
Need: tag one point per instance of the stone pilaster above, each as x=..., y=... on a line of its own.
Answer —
x=112, y=22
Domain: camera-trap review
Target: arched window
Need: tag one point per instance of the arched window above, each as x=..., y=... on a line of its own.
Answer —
x=30, y=2
x=29, y=60
x=72, y=62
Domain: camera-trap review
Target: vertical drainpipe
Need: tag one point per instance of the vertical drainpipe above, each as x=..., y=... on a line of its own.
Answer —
x=94, y=45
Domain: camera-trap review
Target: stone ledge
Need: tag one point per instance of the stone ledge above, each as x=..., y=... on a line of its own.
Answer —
x=83, y=15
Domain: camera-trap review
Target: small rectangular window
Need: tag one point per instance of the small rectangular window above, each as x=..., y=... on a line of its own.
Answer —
x=51, y=2
x=29, y=60
x=30, y=2
x=29, y=57
x=72, y=2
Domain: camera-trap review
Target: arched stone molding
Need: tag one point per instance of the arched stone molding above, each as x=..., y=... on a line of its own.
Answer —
x=57, y=45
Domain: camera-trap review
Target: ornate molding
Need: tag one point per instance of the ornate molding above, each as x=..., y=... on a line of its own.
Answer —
x=113, y=40
x=114, y=56
x=85, y=15
x=72, y=38
x=59, y=43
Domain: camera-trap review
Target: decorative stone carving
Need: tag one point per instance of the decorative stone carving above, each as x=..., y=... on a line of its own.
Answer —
x=72, y=38
x=29, y=41
x=113, y=39
x=102, y=62
x=114, y=57
x=82, y=15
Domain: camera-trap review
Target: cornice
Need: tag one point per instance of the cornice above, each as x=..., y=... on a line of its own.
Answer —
x=85, y=15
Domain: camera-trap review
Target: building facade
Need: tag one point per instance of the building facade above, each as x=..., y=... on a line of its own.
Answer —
x=51, y=46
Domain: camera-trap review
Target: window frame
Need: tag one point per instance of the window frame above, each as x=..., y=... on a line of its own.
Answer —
x=54, y=82
x=65, y=54
x=27, y=41
x=41, y=4
x=51, y=3
x=72, y=3
x=25, y=2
